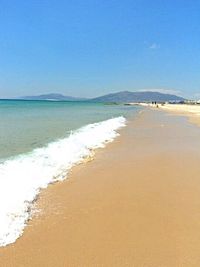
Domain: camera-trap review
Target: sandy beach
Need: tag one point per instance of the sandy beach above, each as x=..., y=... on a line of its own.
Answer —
x=137, y=204
x=190, y=111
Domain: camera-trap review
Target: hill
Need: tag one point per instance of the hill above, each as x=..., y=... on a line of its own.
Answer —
x=120, y=97
x=58, y=97
x=145, y=96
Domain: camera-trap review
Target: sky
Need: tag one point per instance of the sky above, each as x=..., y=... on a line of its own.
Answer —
x=89, y=48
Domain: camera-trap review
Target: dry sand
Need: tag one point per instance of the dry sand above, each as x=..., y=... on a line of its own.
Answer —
x=184, y=108
x=189, y=110
x=137, y=204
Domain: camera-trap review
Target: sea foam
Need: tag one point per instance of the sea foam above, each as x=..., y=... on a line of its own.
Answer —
x=22, y=177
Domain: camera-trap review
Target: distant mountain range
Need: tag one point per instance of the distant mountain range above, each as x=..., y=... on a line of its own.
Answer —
x=145, y=96
x=53, y=97
x=120, y=97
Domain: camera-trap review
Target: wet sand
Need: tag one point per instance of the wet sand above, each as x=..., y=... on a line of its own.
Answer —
x=191, y=111
x=137, y=204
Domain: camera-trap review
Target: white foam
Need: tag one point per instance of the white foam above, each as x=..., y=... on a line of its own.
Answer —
x=22, y=177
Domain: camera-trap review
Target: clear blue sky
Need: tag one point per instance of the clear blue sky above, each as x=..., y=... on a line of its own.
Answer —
x=89, y=48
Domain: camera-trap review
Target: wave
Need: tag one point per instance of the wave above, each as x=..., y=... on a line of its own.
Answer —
x=22, y=177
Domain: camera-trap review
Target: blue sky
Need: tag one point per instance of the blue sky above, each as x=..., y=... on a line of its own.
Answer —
x=88, y=48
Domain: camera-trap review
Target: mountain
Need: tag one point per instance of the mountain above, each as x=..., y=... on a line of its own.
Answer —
x=58, y=97
x=120, y=97
x=145, y=96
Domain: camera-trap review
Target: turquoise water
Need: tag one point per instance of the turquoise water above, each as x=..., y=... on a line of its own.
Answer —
x=40, y=141
x=26, y=125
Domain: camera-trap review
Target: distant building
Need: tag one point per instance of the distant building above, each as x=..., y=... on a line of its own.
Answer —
x=192, y=102
x=176, y=102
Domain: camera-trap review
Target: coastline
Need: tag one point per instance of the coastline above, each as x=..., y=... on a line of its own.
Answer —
x=136, y=204
x=192, y=112
x=43, y=166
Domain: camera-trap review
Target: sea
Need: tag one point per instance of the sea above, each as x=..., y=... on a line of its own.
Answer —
x=40, y=141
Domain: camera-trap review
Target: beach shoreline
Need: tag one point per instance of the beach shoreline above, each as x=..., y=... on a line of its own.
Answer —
x=191, y=111
x=136, y=204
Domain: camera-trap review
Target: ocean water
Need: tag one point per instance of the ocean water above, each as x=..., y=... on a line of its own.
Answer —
x=40, y=141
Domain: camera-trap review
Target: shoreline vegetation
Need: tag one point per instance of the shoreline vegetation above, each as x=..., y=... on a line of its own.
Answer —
x=128, y=207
